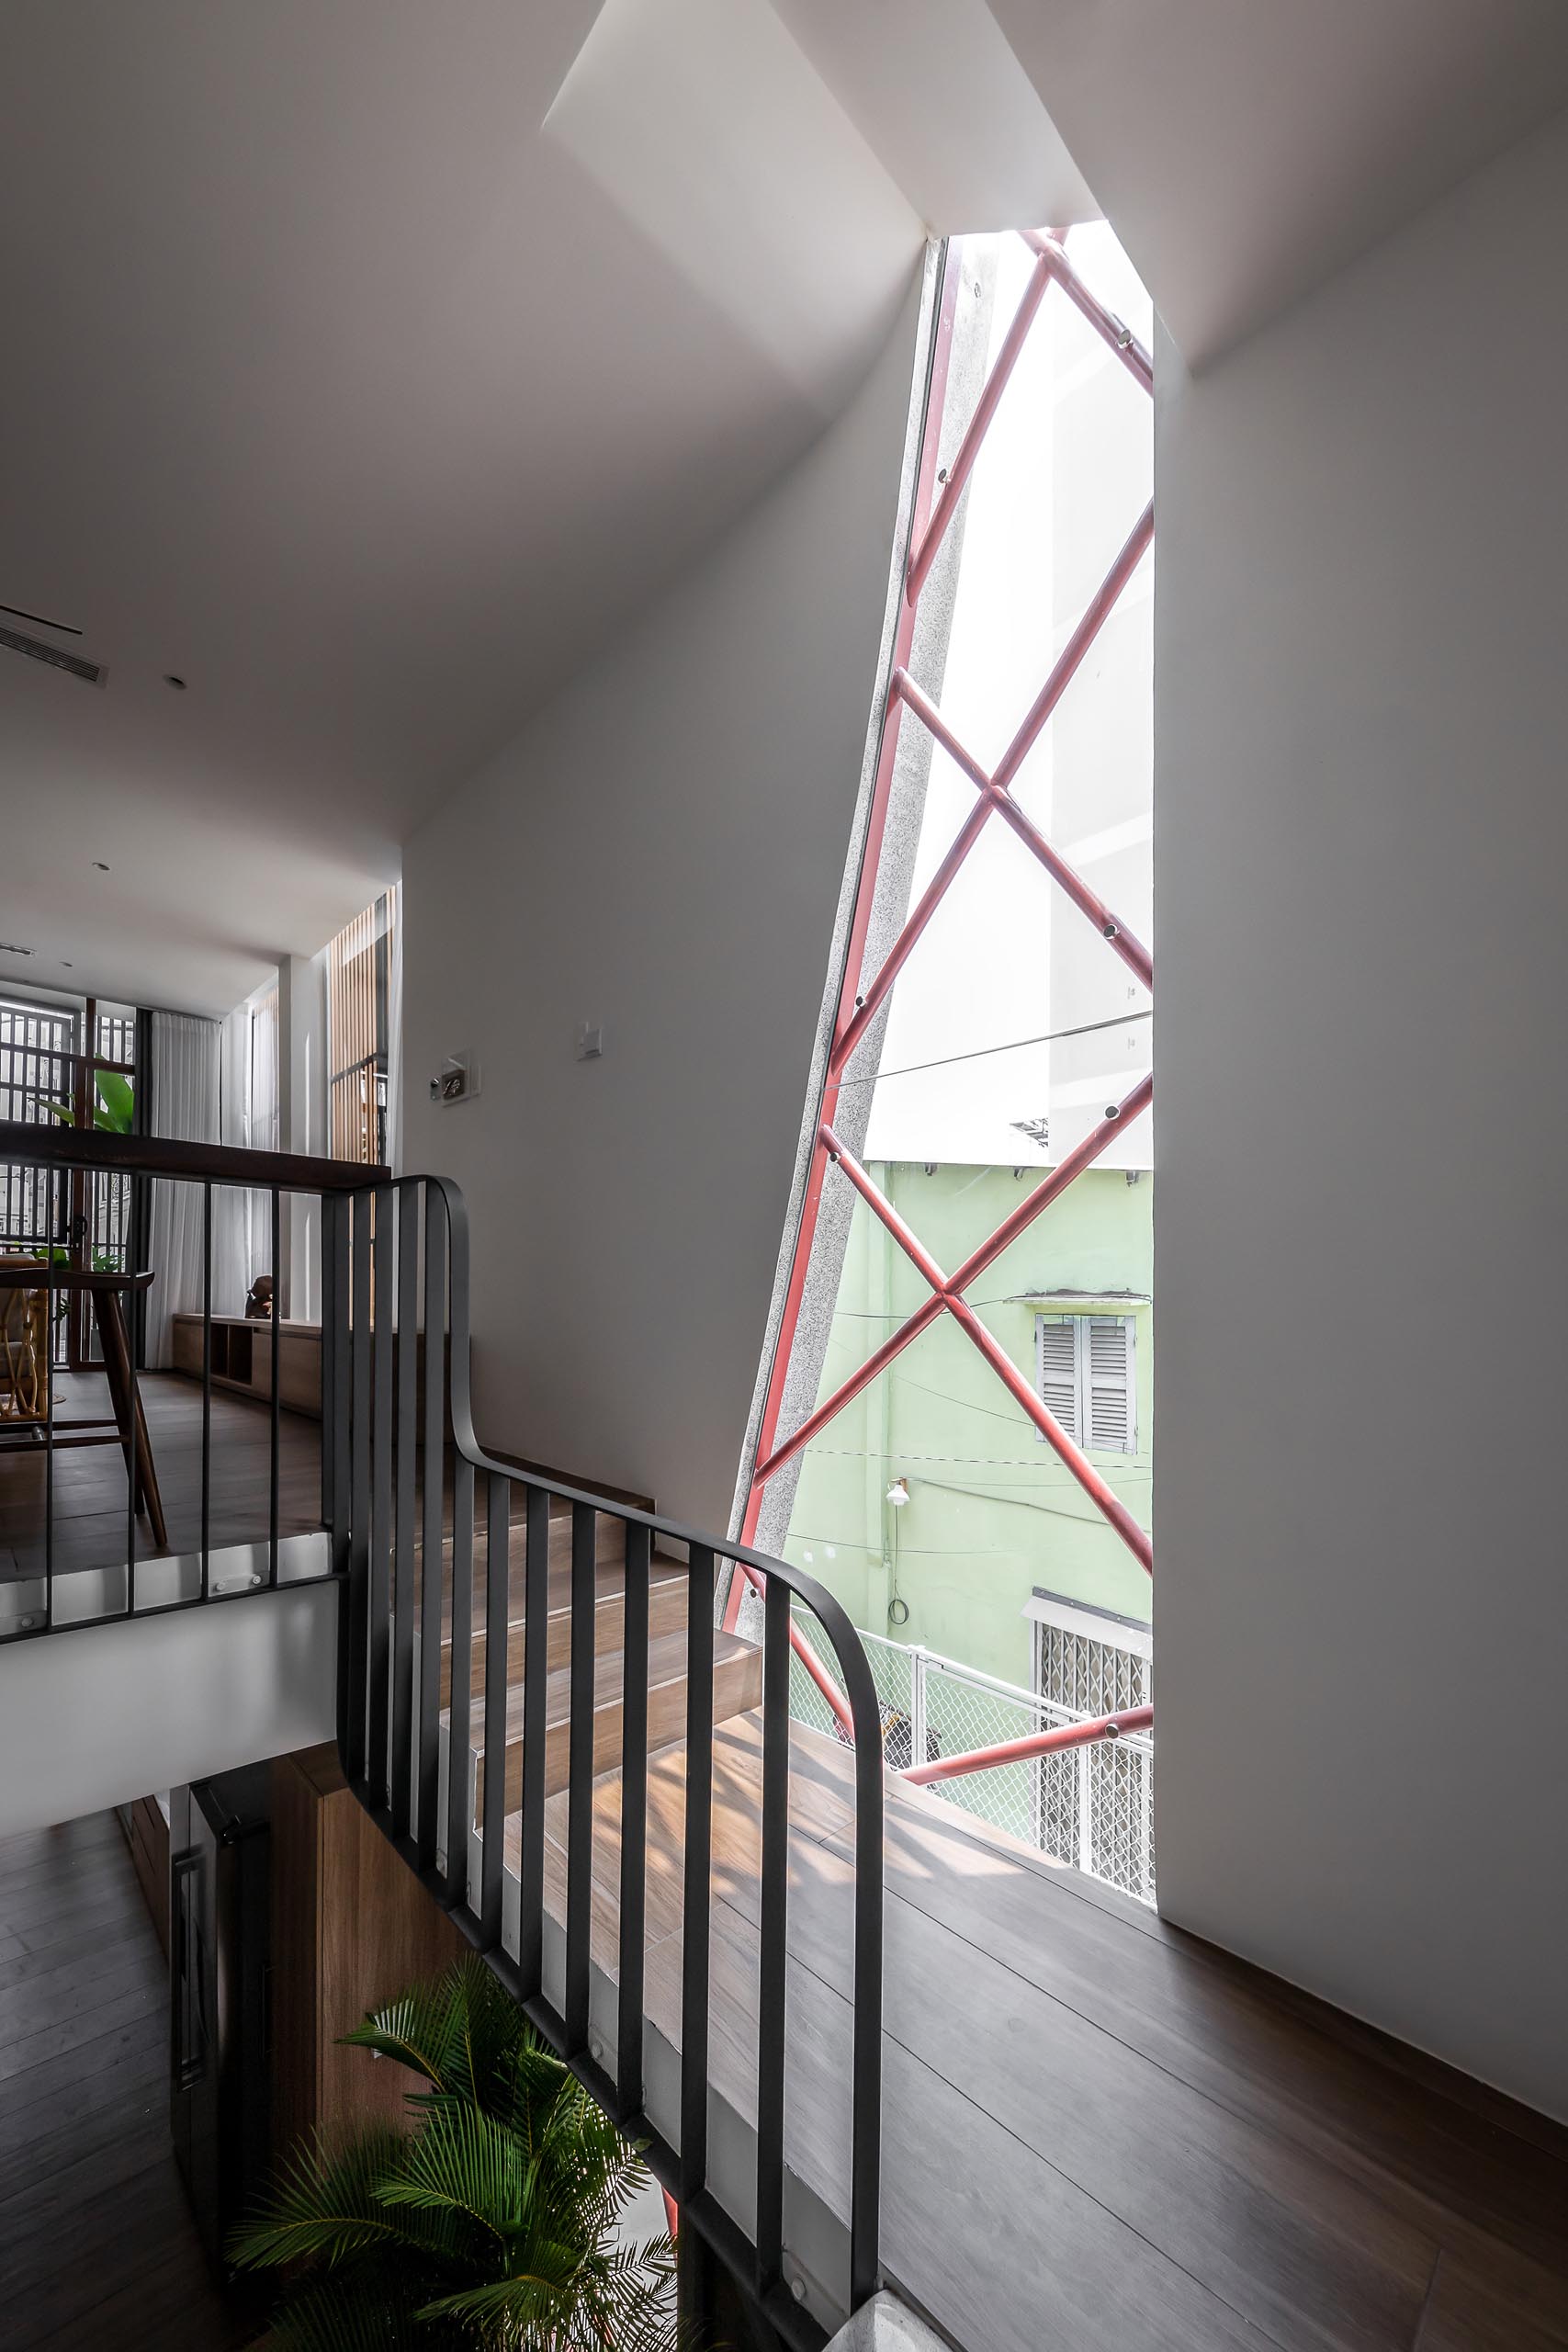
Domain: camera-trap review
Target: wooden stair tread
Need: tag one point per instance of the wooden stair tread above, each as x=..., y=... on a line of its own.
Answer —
x=667, y=1613
x=609, y=1580
x=666, y=1664
x=737, y=1688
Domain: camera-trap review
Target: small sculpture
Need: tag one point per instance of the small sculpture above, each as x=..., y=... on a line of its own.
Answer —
x=258, y=1304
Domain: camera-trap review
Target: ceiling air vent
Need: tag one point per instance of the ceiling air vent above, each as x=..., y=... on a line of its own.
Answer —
x=56, y=658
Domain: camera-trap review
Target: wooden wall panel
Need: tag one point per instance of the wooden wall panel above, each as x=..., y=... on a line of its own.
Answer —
x=353, y=1927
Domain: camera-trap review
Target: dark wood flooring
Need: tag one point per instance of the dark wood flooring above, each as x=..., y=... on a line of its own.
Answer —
x=90, y=1518
x=1098, y=2132
x=97, y=2249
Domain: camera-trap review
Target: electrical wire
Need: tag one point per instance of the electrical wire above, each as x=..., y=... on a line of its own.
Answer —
x=1016, y=1044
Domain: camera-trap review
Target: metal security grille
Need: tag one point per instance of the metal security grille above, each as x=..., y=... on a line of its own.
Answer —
x=1097, y=1804
x=43, y=1069
x=1090, y=1808
x=37, y=1067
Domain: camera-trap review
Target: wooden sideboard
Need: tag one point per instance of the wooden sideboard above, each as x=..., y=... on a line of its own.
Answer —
x=241, y=1361
x=241, y=1358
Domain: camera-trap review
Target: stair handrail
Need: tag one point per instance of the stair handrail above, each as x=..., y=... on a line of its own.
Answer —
x=372, y=1253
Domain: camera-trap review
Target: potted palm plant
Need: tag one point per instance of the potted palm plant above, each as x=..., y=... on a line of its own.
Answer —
x=491, y=2223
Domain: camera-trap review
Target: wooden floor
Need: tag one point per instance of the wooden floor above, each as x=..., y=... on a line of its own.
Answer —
x=97, y=2249
x=90, y=1519
x=1100, y=2133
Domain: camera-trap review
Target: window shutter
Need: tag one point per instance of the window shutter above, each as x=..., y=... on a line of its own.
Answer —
x=1058, y=1373
x=1110, y=1393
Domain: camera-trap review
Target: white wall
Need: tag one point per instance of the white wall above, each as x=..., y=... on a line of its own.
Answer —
x=661, y=850
x=1361, y=863
x=98, y=1716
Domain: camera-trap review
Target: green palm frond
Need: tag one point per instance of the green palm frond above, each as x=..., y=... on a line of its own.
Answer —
x=416, y=2030
x=461, y=2032
x=326, y=2206
x=463, y=2162
x=491, y=2226
x=624, y=2302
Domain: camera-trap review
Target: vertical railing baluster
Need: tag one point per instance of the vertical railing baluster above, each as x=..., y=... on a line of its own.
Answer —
x=275, y=1431
x=459, y=1804
x=774, y=1929
x=328, y=1211
x=493, y=1807
x=378, y=1771
x=580, y=1777
x=334, y=1432
x=359, y=1483
x=866, y=2099
x=406, y=1305
x=633, y=1822
x=535, y=1695
x=206, y=1385
x=336, y=1373
x=431, y=1565
x=133, y=1465
x=50, y=1295
x=695, y=1884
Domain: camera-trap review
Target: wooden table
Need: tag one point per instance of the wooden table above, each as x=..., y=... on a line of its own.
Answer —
x=129, y=1427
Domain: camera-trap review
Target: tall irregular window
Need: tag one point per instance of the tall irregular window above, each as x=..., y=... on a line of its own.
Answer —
x=956, y=1419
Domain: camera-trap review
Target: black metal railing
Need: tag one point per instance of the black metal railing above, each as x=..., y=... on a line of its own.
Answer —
x=405, y=1487
x=50, y=1158
x=403, y=1245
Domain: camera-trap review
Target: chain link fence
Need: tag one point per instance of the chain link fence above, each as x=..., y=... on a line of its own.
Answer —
x=1091, y=1808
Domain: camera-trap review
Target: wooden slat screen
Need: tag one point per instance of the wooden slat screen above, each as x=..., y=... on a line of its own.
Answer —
x=358, y=963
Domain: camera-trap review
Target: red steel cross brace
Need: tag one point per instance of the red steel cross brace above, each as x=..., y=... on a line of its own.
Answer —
x=858, y=1005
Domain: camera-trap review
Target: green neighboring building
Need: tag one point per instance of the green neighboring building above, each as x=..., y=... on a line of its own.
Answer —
x=993, y=1516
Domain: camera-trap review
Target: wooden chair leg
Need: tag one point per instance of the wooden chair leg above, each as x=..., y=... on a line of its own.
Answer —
x=125, y=1398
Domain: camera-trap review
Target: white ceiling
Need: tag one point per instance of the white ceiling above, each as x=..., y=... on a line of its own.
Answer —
x=343, y=384
x=1245, y=148
x=367, y=360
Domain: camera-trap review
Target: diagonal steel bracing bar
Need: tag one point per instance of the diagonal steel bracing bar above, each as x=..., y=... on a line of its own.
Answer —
x=1028, y=1208
x=950, y=1300
x=1135, y=357
x=1033, y=1744
x=925, y=543
x=1123, y=942
x=995, y=792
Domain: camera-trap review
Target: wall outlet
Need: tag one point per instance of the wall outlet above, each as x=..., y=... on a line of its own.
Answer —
x=590, y=1040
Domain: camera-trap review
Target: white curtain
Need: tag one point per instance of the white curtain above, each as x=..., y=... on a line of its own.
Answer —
x=242, y=1219
x=185, y=1089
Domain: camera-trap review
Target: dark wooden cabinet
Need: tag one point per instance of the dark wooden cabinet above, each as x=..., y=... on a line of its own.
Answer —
x=220, y=1947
